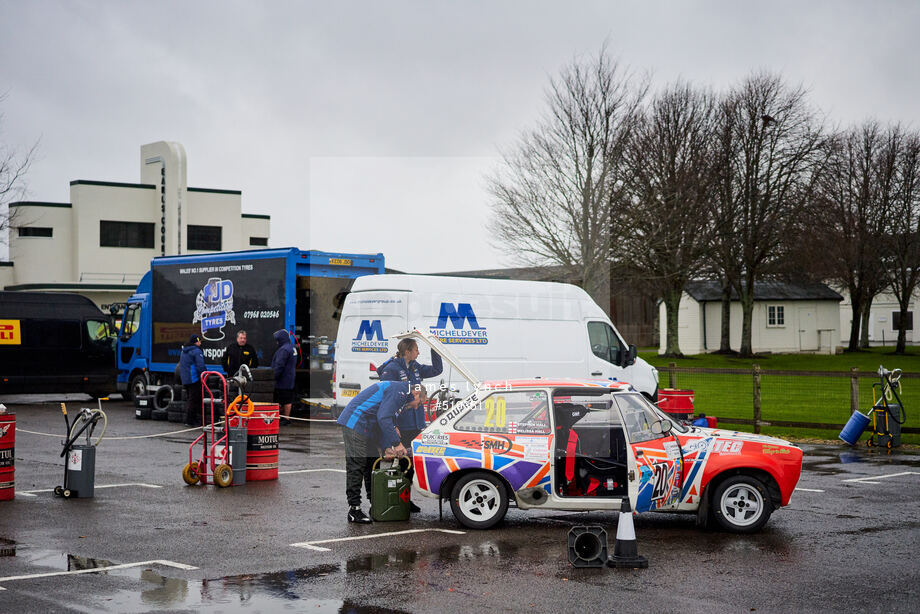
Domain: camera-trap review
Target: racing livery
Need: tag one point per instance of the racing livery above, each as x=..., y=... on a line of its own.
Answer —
x=593, y=445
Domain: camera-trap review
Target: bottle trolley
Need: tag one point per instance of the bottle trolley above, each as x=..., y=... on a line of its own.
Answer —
x=214, y=460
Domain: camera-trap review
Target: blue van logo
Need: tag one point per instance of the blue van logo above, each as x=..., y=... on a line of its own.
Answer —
x=214, y=308
x=368, y=331
x=458, y=317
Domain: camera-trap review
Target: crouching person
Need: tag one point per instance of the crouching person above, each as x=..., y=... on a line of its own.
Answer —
x=368, y=423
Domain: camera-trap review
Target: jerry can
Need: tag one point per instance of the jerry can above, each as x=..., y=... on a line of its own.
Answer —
x=390, y=490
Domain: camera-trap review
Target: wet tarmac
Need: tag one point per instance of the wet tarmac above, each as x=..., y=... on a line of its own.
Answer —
x=848, y=541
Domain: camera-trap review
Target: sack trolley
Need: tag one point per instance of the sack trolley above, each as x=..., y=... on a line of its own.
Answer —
x=214, y=460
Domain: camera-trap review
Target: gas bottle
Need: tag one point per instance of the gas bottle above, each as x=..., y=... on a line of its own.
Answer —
x=390, y=490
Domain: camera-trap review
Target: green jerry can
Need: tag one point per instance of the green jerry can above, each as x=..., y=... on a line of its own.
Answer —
x=390, y=490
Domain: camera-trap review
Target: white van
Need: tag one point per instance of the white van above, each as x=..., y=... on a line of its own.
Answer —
x=500, y=329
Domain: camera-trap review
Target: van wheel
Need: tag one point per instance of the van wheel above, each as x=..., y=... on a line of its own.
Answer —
x=137, y=387
x=742, y=504
x=479, y=500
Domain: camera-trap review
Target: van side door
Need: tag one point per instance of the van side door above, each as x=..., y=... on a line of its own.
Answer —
x=604, y=351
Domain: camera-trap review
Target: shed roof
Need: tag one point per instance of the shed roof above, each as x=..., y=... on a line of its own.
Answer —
x=703, y=291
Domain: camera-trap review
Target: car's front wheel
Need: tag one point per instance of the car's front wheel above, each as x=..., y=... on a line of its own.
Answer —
x=479, y=500
x=742, y=504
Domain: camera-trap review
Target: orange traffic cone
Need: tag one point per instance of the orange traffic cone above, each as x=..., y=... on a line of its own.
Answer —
x=625, y=551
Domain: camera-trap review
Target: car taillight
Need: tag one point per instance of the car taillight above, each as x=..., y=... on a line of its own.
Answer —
x=335, y=367
x=373, y=368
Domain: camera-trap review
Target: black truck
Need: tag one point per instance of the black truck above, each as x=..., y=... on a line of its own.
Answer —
x=55, y=342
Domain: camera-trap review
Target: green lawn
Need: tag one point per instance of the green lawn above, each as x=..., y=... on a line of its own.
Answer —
x=794, y=398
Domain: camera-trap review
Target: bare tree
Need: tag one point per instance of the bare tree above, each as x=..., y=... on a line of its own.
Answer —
x=14, y=165
x=849, y=217
x=899, y=170
x=554, y=194
x=669, y=184
x=773, y=145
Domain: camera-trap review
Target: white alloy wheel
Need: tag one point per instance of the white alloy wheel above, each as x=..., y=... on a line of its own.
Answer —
x=742, y=504
x=479, y=500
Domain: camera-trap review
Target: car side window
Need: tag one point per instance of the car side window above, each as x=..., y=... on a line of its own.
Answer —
x=510, y=412
x=99, y=332
x=131, y=321
x=604, y=342
x=637, y=417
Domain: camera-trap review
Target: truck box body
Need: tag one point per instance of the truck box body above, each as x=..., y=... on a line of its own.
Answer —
x=216, y=295
x=55, y=342
x=499, y=328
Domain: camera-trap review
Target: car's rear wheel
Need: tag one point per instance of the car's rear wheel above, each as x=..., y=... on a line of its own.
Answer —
x=479, y=500
x=742, y=504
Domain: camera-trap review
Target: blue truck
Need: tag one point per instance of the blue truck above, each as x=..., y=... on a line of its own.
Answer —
x=215, y=295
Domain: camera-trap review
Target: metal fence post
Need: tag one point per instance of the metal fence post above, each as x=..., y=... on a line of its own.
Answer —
x=756, y=369
x=672, y=376
x=854, y=390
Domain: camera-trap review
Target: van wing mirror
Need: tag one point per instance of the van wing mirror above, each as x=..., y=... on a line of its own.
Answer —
x=623, y=357
x=631, y=354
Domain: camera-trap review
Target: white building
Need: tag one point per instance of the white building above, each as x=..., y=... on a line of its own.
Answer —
x=101, y=242
x=884, y=319
x=787, y=318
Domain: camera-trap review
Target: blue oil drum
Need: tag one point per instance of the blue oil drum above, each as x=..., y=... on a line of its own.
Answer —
x=854, y=428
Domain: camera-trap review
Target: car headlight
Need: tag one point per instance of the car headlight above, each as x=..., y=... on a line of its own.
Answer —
x=655, y=374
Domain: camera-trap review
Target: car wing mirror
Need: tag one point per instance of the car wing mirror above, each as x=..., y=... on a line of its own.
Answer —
x=662, y=427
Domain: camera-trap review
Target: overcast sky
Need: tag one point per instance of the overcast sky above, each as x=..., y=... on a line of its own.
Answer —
x=370, y=126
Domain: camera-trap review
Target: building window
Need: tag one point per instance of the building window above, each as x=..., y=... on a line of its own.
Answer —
x=126, y=234
x=896, y=320
x=205, y=238
x=260, y=241
x=776, y=315
x=34, y=231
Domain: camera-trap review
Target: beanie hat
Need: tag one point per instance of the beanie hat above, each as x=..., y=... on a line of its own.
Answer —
x=194, y=339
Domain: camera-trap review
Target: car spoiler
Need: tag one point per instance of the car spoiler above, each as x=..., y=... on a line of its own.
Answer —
x=435, y=344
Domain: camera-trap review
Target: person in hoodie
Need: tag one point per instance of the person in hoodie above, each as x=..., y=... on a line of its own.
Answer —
x=191, y=366
x=404, y=367
x=284, y=362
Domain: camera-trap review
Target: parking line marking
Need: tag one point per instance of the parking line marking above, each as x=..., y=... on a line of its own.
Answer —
x=312, y=545
x=96, y=570
x=32, y=493
x=808, y=489
x=869, y=479
x=309, y=471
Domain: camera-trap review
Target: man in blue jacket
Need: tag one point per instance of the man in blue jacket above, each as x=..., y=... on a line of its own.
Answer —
x=369, y=421
x=284, y=362
x=191, y=366
x=404, y=367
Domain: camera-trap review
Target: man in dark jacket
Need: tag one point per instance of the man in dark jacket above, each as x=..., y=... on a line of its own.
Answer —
x=369, y=421
x=284, y=362
x=238, y=354
x=404, y=367
x=191, y=366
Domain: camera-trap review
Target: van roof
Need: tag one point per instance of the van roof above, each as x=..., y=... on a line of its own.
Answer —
x=552, y=383
x=47, y=305
x=468, y=285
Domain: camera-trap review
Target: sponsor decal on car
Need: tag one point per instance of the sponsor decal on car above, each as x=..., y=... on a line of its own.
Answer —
x=370, y=338
x=432, y=450
x=727, y=446
x=459, y=316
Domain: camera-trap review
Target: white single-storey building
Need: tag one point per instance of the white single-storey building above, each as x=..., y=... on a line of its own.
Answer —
x=101, y=242
x=884, y=319
x=788, y=317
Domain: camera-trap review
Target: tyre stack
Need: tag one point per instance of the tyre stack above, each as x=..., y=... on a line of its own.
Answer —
x=175, y=412
x=262, y=389
x=143, y=407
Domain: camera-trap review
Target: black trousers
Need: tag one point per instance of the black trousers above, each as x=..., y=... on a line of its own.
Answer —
x=193, y=404
x=360, y=455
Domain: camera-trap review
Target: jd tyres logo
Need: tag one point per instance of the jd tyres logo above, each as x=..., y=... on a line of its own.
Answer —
x=370, y=338
x=458, y=316
x=214, y=308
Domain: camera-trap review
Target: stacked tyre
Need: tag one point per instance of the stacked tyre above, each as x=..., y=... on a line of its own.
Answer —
x=262, y=389
x=175, y=412
x=143, y=407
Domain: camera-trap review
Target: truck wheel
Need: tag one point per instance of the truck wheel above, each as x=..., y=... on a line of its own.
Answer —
x=479, y=500
x=742, y=504
x=137, y=387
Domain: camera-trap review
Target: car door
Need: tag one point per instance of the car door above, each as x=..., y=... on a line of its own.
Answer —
x=655, y=458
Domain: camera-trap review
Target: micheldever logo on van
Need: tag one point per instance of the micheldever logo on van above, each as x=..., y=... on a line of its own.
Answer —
x=458, y=316
x=9, y=332
x=367, y=332
x=214, y=308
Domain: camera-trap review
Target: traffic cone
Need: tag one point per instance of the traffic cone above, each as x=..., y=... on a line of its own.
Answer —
x=625, y=551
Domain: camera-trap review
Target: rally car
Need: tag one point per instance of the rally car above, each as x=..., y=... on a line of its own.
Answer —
x=592, y=445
